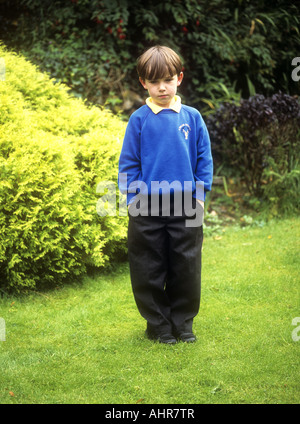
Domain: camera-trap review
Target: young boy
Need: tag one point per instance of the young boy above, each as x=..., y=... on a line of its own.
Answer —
x=164, y=162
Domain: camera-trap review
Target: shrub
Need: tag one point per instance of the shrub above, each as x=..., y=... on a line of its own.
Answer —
x=259, y=141
x=282, y=190
x=53, y=152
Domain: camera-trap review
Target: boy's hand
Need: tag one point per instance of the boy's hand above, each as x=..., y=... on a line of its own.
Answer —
x=201, y=202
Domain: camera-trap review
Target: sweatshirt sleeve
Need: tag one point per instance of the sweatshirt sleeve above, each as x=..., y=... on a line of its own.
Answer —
x=204, y=167
x=130, y=157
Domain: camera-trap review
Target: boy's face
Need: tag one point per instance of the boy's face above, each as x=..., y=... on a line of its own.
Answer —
x=163, y=90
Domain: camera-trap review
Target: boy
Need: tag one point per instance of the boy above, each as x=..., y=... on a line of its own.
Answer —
x=165, y=158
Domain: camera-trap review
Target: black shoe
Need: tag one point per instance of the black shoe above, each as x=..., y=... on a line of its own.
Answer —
x=187, y=337
x=161, y=338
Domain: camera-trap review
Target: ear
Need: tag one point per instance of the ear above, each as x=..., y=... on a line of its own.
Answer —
x=143, y=83
x=180, y=78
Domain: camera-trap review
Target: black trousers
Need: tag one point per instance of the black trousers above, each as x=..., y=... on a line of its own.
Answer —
x=165, y=269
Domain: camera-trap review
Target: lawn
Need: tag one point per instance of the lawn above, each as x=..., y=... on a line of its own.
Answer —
x=85, y=343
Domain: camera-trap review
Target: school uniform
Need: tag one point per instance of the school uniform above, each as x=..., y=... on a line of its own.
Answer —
x=165, y=165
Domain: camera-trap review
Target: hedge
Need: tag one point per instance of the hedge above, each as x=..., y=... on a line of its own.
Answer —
x=54, y=150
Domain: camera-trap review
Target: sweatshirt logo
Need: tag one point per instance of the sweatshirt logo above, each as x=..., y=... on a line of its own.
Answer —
x=185, y=129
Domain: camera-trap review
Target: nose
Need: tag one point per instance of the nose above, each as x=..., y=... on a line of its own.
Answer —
x=161, y=86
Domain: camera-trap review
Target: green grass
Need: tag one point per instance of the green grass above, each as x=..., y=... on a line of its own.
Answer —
x=85, y=343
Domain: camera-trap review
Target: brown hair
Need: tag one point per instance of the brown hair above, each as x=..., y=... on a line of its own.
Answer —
x=158, y=62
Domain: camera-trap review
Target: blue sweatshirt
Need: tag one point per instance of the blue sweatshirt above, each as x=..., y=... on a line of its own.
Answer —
x=166, y=146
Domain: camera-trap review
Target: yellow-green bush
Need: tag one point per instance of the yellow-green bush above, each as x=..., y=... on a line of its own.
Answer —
x=54, y=150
